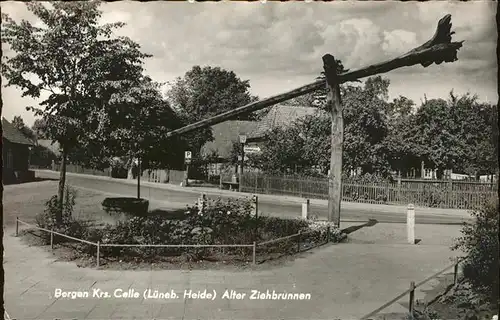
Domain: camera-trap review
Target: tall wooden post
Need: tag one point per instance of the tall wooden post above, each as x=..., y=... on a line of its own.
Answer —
x=139, y=173
x=334, y=104
x=242, y=162
x=186, y=175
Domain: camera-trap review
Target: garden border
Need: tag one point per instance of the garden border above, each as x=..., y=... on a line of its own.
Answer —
x=99, y=245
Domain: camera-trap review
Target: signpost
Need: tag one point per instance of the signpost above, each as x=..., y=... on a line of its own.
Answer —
x=243, y=140
x=187, y=161
x=251, y=150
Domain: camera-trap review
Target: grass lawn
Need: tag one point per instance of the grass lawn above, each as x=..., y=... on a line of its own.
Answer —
x=28, y=199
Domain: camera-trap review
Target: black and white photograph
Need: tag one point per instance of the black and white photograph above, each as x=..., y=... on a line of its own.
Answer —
x=198, y=160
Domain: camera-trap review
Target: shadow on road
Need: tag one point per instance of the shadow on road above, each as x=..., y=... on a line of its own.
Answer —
x=351, y=229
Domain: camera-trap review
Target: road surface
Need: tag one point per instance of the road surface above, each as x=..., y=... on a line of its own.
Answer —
x=274, y=206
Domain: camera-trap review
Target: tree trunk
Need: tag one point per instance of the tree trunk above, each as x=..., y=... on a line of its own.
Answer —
x=337, y=137
x=62, y=182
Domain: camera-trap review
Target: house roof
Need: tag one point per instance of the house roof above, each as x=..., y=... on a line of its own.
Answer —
x=13, y=135
x=52, y=146
x=225, y=133
x=279, y=116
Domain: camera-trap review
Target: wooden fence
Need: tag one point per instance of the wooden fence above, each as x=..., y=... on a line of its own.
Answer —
x=158, y=175
x=428, y=193
x=79, y=169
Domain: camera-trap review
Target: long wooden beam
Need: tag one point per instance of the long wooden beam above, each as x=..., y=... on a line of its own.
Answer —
x=437, y=50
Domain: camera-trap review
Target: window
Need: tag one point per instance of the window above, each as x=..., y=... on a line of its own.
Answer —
x=9, y=162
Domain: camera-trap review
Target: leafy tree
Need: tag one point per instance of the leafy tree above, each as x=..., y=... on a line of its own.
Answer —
x=474, y=123
x=138, y=130
x=366, y=126
x=400, y=146
x=77, y=61
x=436, y=142
x=457, y=133
x=39, y=128
x=282, y=151
x=204, y=92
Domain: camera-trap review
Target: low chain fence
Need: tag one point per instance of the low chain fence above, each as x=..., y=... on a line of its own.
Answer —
x=412, y=303
x=274, y=248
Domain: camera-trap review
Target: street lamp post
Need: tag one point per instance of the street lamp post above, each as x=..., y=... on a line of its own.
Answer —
x=29, y=156
x=243, y=140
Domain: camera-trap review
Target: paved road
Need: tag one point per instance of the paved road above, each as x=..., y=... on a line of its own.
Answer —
x=274, y=206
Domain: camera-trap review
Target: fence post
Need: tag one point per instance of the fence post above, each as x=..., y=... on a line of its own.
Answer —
x=410, y=223
x=399, y=188
x=254, y=253
x=17, y=226
x=412, y=299
x=256, y=182
x=51, y=240
x=298, y=242
x=305, y=209
x=455, y=274
x=98, y=253
x=328, y=234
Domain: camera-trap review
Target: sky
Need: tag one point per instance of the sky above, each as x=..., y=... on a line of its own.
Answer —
x=278, y=46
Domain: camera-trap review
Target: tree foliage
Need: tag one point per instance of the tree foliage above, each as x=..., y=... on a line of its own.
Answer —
x=479, y=242
x=204, y=92
x=73, y=58
x=456, y=133
x=78, y=62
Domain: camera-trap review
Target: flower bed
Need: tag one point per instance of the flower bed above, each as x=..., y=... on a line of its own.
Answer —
x=220, y=223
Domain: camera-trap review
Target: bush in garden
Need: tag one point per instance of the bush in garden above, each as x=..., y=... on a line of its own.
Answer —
x=221, y=222
x=479, y=241
x=69, y=226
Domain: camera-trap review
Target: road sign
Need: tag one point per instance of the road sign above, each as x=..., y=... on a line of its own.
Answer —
x=187, y=155
x=239, y=158
x=243, y=138
x=248, y=149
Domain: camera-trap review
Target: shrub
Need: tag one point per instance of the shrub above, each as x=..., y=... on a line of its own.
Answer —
x=69, y=226
x=479, y=241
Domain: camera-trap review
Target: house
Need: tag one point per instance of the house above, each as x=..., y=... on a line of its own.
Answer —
x=279, y=115
x=16, y=154
x=225, y=135
x=45, y=154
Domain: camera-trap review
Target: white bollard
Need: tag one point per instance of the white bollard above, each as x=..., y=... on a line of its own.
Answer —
x=410, y=223
x=305, y=210
x=255, y=206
